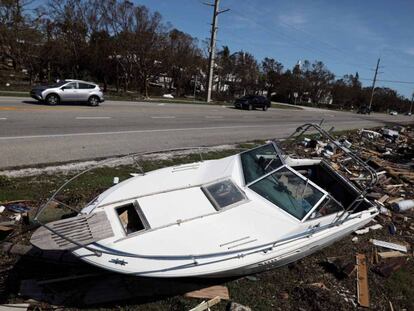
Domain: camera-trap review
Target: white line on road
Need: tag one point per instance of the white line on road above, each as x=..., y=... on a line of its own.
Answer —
x=163, y=117
x=214, y=117
x=3, y=118
x=143, y=131
x=92, y=118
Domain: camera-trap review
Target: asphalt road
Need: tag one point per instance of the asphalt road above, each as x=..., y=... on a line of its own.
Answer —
x=32, y=133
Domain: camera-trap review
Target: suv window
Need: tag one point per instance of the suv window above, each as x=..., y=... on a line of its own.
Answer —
x=83, y=86
x=71, y=85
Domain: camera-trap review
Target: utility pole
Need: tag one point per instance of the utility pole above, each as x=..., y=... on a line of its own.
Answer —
x=412, y=100
x=212, y=46
x=373, y=86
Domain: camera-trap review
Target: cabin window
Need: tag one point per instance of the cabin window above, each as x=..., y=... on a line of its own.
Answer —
x=132, y=218
x=223, y=193
x=327, y=207
x=289, y=191
x=259, y=161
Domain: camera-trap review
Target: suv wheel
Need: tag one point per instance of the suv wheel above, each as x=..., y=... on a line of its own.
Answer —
x=93, y=101
x=52, y=99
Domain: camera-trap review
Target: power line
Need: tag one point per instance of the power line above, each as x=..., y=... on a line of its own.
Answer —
x=297, y=43
x=388, y=81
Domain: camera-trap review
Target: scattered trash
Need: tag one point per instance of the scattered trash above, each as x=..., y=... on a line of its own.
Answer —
x=390, y=134
x=390, y=245
x=369, y=134
x=233, y=306
x=116, y=180
x=391, y=254
x=392, y=229
x=319, y=285
x=362, y=281
x=403, y=206
x=17, y=208
x=251, y=278
x=210, y=292
x=2, y=208
x=206, y=304
x=15, y=306
x=340, y=267
x=367, y=229
x=168, y=96
x=387, y=268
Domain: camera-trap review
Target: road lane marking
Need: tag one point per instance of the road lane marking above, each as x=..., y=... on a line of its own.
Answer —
x=93, y=118
x=163, y=117
x=3, y=118
x=214, y=117
x=143, y=131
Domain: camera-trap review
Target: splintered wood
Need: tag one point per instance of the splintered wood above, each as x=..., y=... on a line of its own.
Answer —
x=362, y=281
x=210, y=292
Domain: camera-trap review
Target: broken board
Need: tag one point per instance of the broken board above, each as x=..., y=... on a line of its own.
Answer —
x=83, y=229
x=362, y=281
x=210, y=292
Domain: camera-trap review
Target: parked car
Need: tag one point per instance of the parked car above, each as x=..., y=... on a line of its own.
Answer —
x=251, y=102
x=393, y=113
x=69, y=91
x=408, y=113
x=364, y=110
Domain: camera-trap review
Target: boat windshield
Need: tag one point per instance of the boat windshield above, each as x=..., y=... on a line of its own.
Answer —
x=289, y=191
x=259, y=161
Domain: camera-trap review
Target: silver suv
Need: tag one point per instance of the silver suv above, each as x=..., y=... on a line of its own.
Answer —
x=69, y=91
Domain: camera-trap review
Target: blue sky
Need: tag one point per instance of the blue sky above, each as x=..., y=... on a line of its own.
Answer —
x=348, y=36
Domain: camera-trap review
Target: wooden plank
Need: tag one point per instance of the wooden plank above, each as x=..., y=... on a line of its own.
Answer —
x=391, y=254
x=5, y=229
x=362, y=281
x=394, y=246
x=83, y=229
x=206, y=305
x=14, y=307
x=210, y=292
x=383, y=198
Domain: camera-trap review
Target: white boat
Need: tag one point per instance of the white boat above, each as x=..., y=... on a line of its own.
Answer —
x=245, y=213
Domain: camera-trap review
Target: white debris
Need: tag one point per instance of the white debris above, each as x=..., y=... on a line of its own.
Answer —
x=369, y=134
x=168, y=96
x=2, y=208
x=390, y=245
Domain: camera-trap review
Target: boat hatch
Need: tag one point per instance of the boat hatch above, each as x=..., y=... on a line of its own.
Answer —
x=131, y=217
x=290, y=191
x=223, y=194
x=259, y=161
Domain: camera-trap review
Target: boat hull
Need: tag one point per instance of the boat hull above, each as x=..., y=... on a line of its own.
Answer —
x=258, y=262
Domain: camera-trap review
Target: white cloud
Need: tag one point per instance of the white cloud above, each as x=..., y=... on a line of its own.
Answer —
x=293, y=19
x=410, y=51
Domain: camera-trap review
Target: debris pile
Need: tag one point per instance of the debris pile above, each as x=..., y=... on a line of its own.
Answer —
x=363, y=270
x=390, y=152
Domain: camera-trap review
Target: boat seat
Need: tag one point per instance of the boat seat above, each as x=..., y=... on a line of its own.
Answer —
x=84, y=229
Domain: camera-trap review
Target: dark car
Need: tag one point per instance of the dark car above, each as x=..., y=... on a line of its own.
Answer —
x=251, y=102
x=364, y=110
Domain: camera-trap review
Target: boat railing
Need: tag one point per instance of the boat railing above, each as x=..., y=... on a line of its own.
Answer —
x=371, y=180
